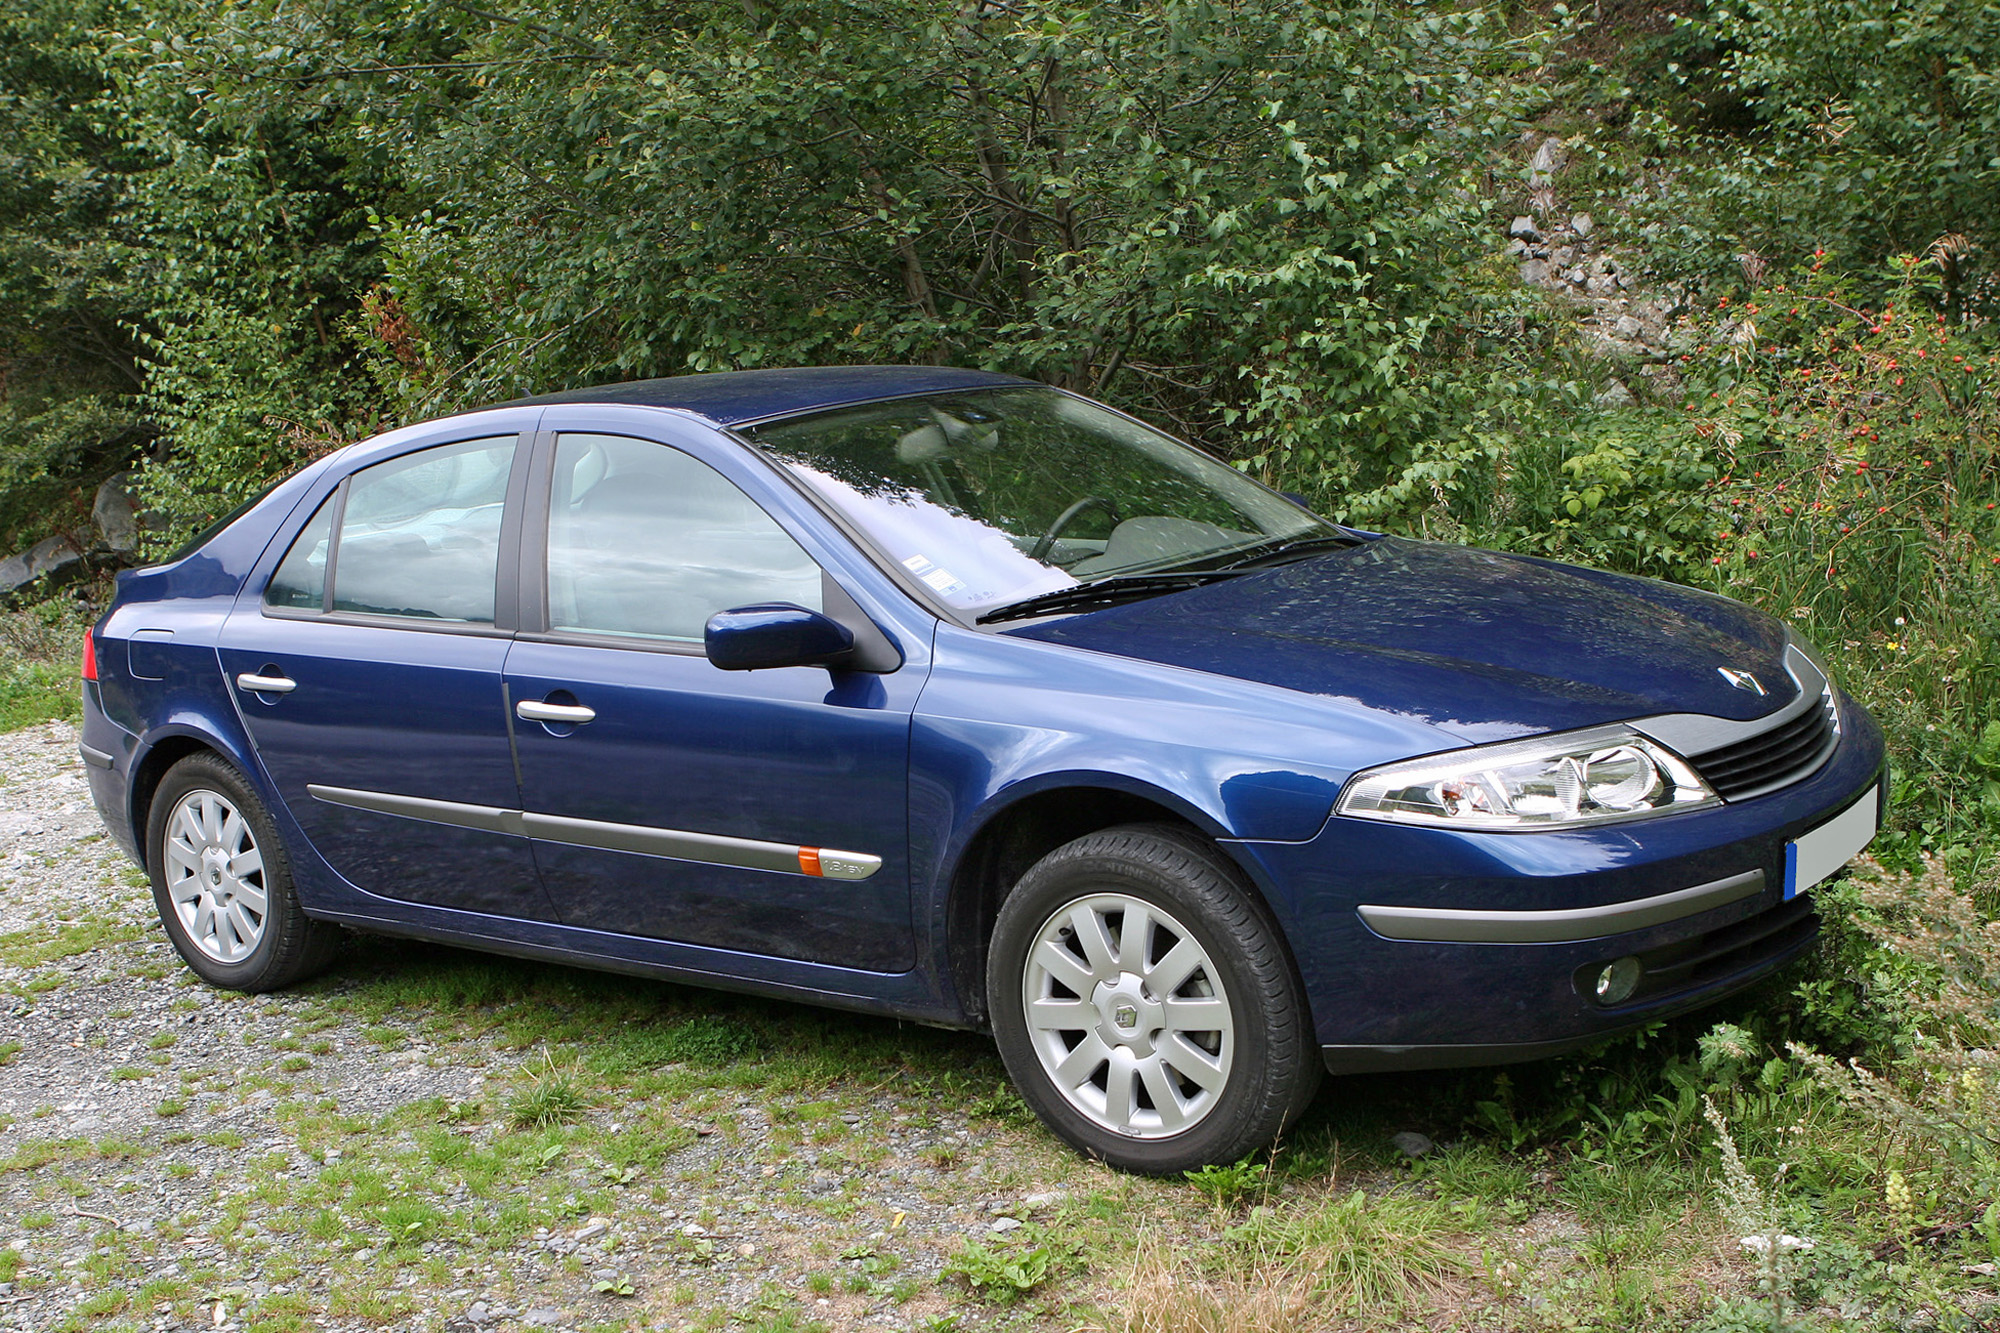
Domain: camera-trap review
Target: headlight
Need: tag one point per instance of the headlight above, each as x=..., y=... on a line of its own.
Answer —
x=1598, y=776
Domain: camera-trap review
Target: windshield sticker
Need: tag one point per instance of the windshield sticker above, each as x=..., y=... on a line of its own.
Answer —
x=943, y=581
x=918, y=565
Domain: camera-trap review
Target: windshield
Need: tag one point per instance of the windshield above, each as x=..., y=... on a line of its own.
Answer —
x=993, y=497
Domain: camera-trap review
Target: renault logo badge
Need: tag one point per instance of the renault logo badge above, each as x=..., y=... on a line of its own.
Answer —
x=1742, y=680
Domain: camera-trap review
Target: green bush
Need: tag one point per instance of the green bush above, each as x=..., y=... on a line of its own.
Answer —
x=1877, y=132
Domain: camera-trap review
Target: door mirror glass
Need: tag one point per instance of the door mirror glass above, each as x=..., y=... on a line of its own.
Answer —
x=776, y=634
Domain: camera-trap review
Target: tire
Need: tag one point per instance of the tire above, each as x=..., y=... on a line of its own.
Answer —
x=223, y=884
x=1197, y=1049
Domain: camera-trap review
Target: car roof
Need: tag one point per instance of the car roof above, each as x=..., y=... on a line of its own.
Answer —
x=733, y=397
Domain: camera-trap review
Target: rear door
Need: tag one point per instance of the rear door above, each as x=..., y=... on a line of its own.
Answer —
x=761, y=812
x=367, y=671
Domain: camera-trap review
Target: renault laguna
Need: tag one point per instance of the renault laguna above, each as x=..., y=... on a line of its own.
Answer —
x=947, y=695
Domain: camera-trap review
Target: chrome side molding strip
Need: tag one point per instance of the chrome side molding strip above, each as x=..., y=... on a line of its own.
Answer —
x=711, y=848
x=487, y=818
x=645, y=840
x=1453, y=925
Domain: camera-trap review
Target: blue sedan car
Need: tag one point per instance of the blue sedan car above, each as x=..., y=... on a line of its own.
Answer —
x=943, y=694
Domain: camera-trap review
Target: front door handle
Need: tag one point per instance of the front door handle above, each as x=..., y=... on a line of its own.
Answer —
x=257, y=684
x=533, y=710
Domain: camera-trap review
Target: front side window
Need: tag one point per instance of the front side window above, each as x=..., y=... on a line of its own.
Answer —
x=647, y=542
x=993, y=497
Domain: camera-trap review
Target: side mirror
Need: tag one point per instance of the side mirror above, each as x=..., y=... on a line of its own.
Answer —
x=774, y=634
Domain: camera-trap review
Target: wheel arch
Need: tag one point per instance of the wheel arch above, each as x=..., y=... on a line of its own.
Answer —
x=159, y=753
x=1017, y=832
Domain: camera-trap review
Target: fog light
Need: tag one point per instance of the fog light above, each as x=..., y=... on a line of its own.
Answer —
x=1617, y=981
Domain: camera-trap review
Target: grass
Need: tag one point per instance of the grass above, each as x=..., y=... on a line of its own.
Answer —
x=551, y=1095
x=32, y=692
x=41, y=649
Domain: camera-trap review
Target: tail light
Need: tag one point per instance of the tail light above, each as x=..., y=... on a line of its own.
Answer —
x=90, y=654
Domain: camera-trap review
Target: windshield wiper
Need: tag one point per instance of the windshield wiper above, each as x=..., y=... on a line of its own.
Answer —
x=1295, y=546
x=1104, y=592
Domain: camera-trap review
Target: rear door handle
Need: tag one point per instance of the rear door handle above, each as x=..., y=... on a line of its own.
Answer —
x=533, y=710
x=257, y=684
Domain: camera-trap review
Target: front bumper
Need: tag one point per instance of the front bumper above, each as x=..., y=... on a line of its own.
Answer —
x=1427, y=948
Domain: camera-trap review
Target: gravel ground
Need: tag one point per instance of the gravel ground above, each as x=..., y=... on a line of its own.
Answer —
x=178, y=1157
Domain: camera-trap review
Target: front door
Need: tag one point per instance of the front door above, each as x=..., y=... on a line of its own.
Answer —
x=368, y=673
x=763, y=812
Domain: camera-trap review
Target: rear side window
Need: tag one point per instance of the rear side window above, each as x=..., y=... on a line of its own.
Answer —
x=300, y=583
x=419, y=537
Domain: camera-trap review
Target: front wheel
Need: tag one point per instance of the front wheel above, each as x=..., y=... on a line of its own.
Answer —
x=1143, y=1005
x=222, y=882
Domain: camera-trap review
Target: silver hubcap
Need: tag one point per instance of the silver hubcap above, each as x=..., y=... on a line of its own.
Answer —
x=215, y=876
x=1128, y=1016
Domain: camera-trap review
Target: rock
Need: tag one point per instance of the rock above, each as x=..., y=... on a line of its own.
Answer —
x=1524, y=229
x=1517, y=248
x=1411, y=1144
x=479, y=1312
x=1666, y=381
x=542, y=1316
x=1535, y=273
x=1563, y=256
x=1601, y=285
x=1582, y=224
x=1042, y=1200
x=592, y=1229
x=1615, y=395
x=1005, y=1224
x=1549, y=159
x=57, y=560
x=116, y=515
x=1577, y=276
x=1629, y=329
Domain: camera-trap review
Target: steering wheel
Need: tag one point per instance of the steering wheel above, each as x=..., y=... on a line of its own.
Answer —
x=1065, y=518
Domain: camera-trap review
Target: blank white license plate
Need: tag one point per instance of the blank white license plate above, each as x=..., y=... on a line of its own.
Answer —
x=1830, y=846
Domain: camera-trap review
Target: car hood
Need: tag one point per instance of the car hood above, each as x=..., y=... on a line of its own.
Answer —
x=1483, y=645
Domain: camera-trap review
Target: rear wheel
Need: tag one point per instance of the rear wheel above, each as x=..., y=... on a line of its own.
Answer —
x=1144, y=1006
x=223, y=884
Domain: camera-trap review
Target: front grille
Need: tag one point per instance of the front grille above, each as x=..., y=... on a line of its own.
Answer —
x=1771, y=759
x=1751, y=944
